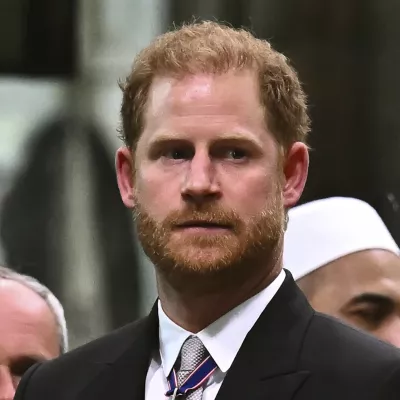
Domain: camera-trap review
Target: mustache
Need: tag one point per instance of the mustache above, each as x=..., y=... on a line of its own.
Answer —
x=214, y=216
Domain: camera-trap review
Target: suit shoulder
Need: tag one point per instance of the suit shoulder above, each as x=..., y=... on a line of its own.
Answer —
x=79, y=365
x=344, y=362
x=104, y=349
x=334, y=339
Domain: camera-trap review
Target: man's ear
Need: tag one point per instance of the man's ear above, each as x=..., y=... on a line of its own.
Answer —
x=295, y=170
x=125, y=165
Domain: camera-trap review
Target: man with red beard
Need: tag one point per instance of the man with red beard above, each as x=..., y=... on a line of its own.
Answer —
x=215, y=123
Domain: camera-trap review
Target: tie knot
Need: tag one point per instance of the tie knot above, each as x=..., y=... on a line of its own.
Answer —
x=193, y=368
x=193, y=353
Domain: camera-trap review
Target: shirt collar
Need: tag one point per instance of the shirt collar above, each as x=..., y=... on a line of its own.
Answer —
x=172, y=338
x=224, y=337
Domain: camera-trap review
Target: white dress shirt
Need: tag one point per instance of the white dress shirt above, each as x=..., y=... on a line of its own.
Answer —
x=223, y=339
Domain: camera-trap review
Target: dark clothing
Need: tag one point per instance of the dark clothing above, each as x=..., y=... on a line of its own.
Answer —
x=292, y=352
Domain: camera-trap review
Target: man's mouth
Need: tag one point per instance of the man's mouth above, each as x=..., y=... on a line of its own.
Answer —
x=210, y=225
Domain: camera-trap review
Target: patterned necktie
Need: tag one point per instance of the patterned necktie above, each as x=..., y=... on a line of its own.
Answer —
x=193, y=353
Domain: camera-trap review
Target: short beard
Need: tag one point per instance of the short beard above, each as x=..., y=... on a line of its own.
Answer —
x=244, y=247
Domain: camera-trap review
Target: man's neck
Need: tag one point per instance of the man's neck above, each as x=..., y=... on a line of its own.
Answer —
x=194, y=309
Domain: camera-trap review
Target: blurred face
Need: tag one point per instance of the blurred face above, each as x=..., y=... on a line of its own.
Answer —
x=206, y=181
x=28, y=334
x=364, y=290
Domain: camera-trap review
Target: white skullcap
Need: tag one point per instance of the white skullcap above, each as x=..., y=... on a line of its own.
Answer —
x=324, y=230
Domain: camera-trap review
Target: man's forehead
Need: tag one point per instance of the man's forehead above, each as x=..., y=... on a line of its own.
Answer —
x=27, y=325
x=177, y=92
x=193, y=104
x=188, y=87
x=19, y=297
x=170, y=93
x=372, y=268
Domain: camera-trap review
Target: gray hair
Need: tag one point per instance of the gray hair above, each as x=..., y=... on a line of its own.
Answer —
x=55, y=306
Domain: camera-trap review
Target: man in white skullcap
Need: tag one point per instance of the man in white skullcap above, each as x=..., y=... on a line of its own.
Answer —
x=346, y=262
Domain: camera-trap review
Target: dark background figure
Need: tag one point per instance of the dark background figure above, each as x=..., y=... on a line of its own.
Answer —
x=33, y=229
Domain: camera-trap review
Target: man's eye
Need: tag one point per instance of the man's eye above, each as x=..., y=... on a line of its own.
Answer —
x=178, y=154
x=19, y=367
x=372, y=316
x=237, y=154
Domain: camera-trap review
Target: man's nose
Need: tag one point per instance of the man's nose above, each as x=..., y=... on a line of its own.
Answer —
x=7, y=389
x=200, y=184
x=390, y=332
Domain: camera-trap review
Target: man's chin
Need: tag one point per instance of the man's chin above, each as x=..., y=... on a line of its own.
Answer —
x=201, y=259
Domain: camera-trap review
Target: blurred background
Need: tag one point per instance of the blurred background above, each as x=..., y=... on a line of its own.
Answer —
x=61, y=217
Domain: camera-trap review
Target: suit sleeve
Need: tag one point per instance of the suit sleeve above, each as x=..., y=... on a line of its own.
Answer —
x=22, y=390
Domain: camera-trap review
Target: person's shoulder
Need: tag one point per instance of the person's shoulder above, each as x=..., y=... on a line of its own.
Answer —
x=104, y=349
x=348, y=363
x=79, y=365
x=334, y=339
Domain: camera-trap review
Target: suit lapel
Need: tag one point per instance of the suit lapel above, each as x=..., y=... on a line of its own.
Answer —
x=124, y=379
x=266, y=366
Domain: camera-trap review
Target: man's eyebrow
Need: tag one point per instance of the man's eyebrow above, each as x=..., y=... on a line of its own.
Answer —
x=239, y=138
x=23, y=362
x=165, y=138
x=35, y=357
x=370, y=298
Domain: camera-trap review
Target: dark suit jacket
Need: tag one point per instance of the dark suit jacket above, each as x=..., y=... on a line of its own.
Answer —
x=292, y=352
